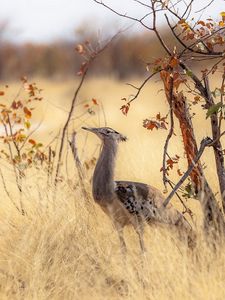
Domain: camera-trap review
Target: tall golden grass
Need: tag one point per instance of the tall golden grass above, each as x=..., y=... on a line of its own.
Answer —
x=66, y=248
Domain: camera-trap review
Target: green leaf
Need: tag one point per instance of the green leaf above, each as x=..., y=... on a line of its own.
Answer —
x=39, y=145
x=213, y=109
x=216, y=93
x=27, y=124
x=189, y=73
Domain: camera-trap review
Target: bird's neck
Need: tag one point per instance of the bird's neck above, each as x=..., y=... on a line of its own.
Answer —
x=103, y=178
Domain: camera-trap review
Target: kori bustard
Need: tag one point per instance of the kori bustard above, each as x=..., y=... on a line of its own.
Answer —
x=128, y=202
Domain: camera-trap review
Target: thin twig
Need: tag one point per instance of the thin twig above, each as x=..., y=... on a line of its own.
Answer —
x=141, y=86
x=142, y=3
x=123, y=15
x=204, y=143
x=165, y=179
x=74, y=100
x=197, y=11
x=80, y=171
x=7, y=192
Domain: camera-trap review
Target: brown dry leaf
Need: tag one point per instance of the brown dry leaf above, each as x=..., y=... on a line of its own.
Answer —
x=27, y=112
x=174, y=62
x=125, y=108
x=32, y=142
x=94, y=101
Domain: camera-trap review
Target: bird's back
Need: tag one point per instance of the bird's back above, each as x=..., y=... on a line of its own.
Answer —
x=146, y=202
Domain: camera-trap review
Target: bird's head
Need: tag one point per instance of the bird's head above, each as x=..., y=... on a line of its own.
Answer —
x=107, y=134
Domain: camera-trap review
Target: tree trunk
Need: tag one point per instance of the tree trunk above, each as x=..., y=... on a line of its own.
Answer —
x=213, y=217
x=217, y=147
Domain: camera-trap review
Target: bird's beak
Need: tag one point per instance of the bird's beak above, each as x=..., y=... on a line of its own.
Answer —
x=89, y=129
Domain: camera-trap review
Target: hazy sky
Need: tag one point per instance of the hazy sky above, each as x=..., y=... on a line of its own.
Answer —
x=44, y=20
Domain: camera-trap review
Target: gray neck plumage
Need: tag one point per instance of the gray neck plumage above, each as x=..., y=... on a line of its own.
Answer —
x=103, y=178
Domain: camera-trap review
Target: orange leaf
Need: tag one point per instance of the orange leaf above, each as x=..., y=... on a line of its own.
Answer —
x=94, y=101
x=182, y=21
x=150, y=125
x=201, y=23
x=174, y=62
x=125, y=108
x=179, y=172
x=32, y=142
x=27, y=112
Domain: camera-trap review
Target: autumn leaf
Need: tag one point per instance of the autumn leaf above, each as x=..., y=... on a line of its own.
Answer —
x=125, y=108
x=32, y=142
x=27, y=112
x=182, y=21
x=27, y=124
x=196, y=99
x=2, y=93
x=38, y=145
x=179, y=172
x=158, y=117
x=20, y=137
x=223, y=15
x=16, y=104
x=94, y=101
x=201, y=23
x=150, y=125
x=174, y=62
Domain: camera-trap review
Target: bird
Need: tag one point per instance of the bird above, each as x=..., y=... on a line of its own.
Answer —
x=128, y=202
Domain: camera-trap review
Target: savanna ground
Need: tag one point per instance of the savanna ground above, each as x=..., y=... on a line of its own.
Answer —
x=67, y=248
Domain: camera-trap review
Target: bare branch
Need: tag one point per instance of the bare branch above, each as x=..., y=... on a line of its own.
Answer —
x=165, y=179
x=205, y=7
x=204, y=143
x=187, y=8
x=157, y=32
x=123, y=15
x=141, y=86
x=72, y=144
x=142, y=3
x=216, y=64
x=7, y=192
x=92, y=57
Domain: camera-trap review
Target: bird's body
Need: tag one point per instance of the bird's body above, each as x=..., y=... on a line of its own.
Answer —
x=126, y=202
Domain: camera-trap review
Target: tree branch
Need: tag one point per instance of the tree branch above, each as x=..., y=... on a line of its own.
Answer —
x=123, y=15
x=141, y=86
x=206, y=142
x=92, y=57
x=165, y=179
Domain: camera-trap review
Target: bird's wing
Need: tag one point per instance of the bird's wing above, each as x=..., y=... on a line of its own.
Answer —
x=138, y=198
x=146, y=201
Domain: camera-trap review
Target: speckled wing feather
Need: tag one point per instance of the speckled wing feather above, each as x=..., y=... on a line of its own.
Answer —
x=147, y=202
x=137, y=199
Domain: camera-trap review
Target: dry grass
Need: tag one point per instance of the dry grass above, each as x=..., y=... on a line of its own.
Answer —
x=69, y=250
